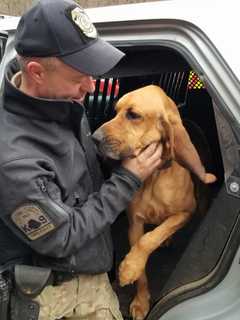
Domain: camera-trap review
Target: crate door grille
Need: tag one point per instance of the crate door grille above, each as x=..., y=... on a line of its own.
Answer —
x=100, y=105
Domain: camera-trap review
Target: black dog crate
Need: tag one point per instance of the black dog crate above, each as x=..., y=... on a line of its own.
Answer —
x=196, y=249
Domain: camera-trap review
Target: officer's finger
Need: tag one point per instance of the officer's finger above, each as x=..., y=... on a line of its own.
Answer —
x=149, y=151
x=156, y=154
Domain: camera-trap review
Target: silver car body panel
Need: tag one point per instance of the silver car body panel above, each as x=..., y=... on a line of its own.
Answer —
x=220, y=303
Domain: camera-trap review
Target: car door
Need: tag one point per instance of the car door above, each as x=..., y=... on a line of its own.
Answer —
x=198, y=283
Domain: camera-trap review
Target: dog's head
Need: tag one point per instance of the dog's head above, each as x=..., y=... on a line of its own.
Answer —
x=141, y=119
x=144, y=116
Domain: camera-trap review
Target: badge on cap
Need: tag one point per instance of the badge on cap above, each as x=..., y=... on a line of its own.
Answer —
x=32, y=221
x=81, y=19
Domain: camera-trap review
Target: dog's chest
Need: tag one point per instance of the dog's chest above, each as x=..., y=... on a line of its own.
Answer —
x=149, y=207
x=164, y=194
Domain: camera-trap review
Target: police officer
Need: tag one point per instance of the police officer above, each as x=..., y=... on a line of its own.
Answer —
x=56, y=210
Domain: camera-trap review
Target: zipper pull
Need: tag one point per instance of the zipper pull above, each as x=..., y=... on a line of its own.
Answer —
x=42, y=185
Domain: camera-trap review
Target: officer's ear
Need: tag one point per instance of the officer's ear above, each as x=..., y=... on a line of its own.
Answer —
x=36, y=71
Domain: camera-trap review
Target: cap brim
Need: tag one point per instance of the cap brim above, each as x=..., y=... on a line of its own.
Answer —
x=96, y=59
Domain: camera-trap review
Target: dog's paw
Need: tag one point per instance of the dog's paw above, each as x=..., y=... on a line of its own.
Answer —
x=139, y=308
x=131, y=267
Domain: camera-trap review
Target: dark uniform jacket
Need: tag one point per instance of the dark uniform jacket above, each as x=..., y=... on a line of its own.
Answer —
x=54, y=205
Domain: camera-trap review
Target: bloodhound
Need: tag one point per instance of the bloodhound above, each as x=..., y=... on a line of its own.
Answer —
x=166, y=198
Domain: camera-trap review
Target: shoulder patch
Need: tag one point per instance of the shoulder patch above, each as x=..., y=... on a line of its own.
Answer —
x=32, y=221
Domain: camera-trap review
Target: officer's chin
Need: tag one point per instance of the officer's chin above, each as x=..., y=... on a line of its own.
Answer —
x=79, y=99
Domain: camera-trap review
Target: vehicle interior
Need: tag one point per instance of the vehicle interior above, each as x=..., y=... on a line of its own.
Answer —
x=181, y=269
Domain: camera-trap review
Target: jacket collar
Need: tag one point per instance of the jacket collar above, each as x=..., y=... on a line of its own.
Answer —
x=15, y=101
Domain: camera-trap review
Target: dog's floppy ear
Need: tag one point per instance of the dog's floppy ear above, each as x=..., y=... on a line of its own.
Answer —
x=167, y=140
x=184, y=150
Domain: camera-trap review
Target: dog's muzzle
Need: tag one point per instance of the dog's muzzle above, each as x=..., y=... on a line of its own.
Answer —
x=107, y=145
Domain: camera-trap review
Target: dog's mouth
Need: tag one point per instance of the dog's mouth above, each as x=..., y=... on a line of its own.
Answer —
x=110, y=147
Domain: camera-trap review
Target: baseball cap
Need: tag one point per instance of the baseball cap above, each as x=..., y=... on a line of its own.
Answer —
x=61, y=28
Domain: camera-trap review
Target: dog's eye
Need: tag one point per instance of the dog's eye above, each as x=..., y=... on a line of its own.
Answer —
x=131, y=115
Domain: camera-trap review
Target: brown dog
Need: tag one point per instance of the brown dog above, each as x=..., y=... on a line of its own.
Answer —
x=167, y=198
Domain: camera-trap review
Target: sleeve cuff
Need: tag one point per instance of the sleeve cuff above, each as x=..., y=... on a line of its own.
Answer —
x=125, y=172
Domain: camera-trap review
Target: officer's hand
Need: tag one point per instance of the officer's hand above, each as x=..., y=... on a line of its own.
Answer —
x=146, y=162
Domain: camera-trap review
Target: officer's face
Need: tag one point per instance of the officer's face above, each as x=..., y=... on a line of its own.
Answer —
x=66, y=83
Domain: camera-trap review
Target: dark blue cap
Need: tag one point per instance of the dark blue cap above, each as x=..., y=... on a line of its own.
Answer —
x=61, y=28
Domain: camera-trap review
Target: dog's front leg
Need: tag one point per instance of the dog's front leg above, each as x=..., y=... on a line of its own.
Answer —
x=134, y=263
x=135, y=232
x=140, y=305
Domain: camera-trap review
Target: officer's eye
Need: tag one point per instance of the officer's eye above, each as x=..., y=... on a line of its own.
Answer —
x=132, y=115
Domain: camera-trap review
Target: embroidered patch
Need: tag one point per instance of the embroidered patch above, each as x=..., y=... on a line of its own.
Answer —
x=32, y=221
x=81, y=19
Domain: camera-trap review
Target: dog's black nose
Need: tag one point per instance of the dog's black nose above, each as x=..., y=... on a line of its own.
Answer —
x=98, y=136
